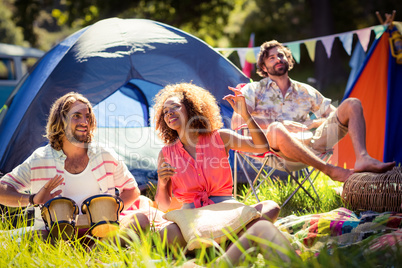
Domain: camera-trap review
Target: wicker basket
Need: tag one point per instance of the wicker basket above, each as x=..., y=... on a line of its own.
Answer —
x=374, y=191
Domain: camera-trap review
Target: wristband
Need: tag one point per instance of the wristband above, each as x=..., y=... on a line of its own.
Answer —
x=31, y=200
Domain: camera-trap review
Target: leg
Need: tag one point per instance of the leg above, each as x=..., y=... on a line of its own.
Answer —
x=172, y=235
x=269, y=210
x=136, y=221
x=350, y=114
x=264, y=230
x=280, y=140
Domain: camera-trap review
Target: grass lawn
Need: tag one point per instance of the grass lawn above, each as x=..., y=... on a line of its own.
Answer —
x=27, y=250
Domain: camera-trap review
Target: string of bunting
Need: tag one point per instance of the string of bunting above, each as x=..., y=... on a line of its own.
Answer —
x=249, y=54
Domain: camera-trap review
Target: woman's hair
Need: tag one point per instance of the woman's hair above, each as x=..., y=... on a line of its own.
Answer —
x=202, y=110
x=263, y=54
x=58, y=119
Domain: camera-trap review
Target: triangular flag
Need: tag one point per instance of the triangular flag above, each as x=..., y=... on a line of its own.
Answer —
x=379, y=30
x=250, y=58
x=256, y=52
x=295, y=48
x=242, y=56
x=347, y=40
x=311, y=48
x=328, y=41
x=364, y=37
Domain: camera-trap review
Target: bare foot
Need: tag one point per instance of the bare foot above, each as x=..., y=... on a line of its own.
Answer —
x=339, y=174
x=369, y=164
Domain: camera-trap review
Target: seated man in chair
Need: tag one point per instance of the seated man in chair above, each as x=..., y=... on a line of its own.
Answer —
x=282, y=106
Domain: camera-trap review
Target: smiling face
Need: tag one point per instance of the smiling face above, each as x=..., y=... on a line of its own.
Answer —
x=175, y=114
x=276, y=63
x=78, y=123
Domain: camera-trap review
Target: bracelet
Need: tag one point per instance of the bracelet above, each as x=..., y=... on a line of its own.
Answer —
x=31, y=200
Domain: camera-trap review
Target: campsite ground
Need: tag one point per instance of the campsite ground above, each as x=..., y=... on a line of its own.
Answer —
x=24, y=250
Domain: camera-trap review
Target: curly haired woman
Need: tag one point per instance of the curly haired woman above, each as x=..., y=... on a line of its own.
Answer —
x=193, y=165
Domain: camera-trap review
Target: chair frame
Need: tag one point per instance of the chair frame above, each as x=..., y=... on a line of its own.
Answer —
x=266, y=156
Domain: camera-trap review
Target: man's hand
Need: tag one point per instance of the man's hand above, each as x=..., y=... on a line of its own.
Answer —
x=45, y=193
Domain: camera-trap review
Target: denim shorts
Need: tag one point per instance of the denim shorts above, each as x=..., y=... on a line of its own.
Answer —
x=216, y=199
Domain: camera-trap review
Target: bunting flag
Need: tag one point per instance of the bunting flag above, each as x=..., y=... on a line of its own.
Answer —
x=363, y=35
x=347, y=41
x=295, y=48
x=310, y=45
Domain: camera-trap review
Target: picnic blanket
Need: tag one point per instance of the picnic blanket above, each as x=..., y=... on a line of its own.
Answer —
x=341, y=227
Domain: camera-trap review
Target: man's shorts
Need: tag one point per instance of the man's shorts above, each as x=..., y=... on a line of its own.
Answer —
x=328, y=134
x=325, y=137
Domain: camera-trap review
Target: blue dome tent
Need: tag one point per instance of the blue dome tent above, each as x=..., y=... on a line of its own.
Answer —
x=119, y=65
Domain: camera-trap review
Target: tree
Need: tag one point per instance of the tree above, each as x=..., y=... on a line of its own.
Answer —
x=205, y=18
x=9, y=32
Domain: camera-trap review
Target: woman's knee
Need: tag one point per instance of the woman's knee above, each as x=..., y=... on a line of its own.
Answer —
x=269, y=210
x=137, y=221
x=172, y=235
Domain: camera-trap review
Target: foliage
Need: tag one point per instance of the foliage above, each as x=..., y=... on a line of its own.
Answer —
x=9, y=32
x=204, y=18
x=278, y=190
x=301, y=19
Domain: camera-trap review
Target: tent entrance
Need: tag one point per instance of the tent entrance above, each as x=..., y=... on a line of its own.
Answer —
x=124, y=124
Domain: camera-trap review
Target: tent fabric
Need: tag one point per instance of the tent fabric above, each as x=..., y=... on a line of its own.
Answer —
x=378, y=87
x=99, y=60
x=393, y=128
x=355, y=63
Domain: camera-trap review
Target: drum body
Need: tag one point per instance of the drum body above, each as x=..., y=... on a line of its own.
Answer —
x=103, y=212
x=59, y=215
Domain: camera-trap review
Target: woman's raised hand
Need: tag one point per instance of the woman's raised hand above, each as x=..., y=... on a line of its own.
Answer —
x=45, y=193
x=165, y=172
x=237, y=101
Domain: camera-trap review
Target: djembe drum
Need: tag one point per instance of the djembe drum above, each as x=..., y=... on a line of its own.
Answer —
x=59, y=215
x=103, y=212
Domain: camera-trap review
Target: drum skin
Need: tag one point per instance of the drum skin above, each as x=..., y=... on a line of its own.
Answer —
x=103, y=212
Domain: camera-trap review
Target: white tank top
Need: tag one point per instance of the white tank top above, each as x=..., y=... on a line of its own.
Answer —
x=80, y=186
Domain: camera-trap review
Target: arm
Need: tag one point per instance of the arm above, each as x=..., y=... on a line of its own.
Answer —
x=129, y=196
x=258, y=141
x=237, y=120
x=9, y=196
x=163, y=196
x=123, y=180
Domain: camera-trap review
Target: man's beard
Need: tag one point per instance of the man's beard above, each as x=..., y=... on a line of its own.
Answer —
x=73, y=137
x=281, y=71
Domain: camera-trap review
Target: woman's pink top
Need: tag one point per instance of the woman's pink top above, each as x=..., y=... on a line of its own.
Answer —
x=197, y=179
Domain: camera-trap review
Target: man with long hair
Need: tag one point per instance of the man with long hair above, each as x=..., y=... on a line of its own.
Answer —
x=71, y=165
x=283, y=107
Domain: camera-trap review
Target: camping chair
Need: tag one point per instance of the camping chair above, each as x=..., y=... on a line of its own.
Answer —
x=270, y=162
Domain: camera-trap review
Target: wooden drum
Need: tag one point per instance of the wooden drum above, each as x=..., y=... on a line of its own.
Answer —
x=103, y=212
x=59, y=215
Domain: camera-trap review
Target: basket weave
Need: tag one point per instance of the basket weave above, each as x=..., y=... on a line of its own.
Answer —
x=374, y=191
